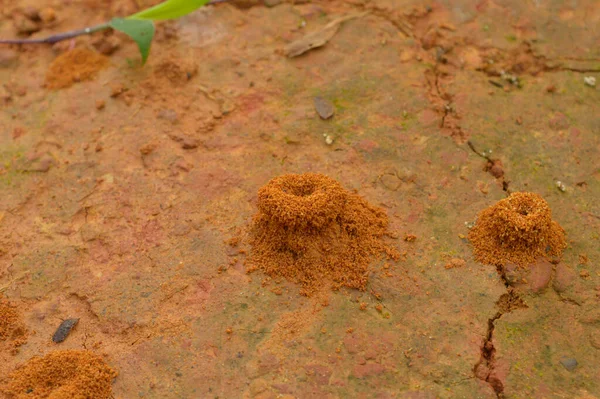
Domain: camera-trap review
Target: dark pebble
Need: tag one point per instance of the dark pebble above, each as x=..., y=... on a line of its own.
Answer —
x=188, y=143
x=569, y=363
x=324, y=108
x=495, y=168
x=63, y=331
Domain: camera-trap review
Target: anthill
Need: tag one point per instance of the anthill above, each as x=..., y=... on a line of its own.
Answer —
x=517, y=229
x=312, y=231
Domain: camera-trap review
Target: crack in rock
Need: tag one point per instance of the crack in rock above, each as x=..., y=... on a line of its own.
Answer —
x=485, y=368
x=493, y=167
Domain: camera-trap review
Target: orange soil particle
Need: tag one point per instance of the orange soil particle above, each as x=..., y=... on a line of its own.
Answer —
x=177, y=71
x=312, y=231
x=12, y=328
x=61, y=375
x=455, y=263
x=517, y=229
x=74, y=66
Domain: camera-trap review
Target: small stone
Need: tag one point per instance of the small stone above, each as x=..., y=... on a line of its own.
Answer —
x=569, y=363
x=100, y=104
x=64, y=330
x=590, y=81
x=168, y=115
x=116, y=89
x=563, y=278
x=25, y=26
x=47, y=15
x=107, y=45
x=328, y=139
x=561, y=186
x=409, y=237
x=324, y=108
x=188, y=143
x=540, y=274
x=43, y=165
x=181, y=164
x=8, y=57
x=32, y=13
x=513, y=274
x=148, y=148
x=495, y=168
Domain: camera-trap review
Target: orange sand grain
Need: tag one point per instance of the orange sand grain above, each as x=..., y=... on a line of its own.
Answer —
x=73, y=66
x=61, y=375
x=312, y=231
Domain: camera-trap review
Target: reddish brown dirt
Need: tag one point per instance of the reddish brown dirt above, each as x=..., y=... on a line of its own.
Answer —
x=61, y=375
x=77, y=65
x=312, y=231
x=120, y=192
x=517, y=229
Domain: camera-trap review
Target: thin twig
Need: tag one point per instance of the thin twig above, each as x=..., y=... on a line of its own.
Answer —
x=58, y=37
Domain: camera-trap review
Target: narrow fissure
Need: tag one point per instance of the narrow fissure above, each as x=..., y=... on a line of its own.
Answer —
x=493, y=167
x=485, y=368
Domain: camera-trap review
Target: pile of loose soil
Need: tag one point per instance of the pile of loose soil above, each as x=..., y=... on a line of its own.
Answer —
x=12, y=329
x=517, y=229
x=176, y=70
x=73, y=66
x=312, y=231
x=61, y=375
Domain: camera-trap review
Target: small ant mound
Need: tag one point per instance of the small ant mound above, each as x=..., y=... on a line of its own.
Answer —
x=61, y=374
x=12, y=329
x=517, y=229
x=312, y=231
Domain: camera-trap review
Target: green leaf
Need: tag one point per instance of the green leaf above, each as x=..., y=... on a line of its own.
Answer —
x=169, y=9
x=141, y=31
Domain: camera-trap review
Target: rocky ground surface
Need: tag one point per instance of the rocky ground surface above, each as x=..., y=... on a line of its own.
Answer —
x=119, y=195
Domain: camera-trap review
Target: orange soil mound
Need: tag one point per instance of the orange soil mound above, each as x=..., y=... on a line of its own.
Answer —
x=312, y=231
x=74, y=66
x=12, y=328
x=517, y=229
x=61, y=375
x=177, y=71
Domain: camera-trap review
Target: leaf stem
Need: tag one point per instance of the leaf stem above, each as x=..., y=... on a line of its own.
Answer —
x=58, y=37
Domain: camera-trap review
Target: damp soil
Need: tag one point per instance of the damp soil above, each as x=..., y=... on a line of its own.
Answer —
x=408, y=208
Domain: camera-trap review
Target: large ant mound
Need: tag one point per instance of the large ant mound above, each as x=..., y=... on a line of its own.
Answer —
x=61, y=375
x=12, y=329
x=517, y=229
x=312, y=231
